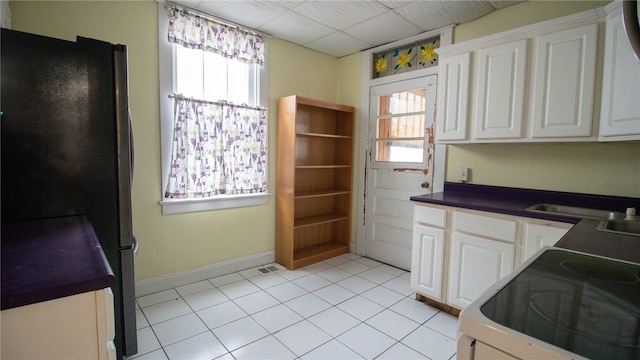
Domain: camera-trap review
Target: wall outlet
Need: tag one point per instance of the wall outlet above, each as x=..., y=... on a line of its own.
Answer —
x=464, y=174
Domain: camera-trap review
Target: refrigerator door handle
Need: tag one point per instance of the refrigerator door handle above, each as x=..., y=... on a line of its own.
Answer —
x=136, y=246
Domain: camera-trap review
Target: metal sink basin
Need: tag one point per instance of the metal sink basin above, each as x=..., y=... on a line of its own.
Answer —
x=625, y=227
x=576, y=211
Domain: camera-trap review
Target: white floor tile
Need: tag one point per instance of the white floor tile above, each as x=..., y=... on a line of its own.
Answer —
x=204, y=346
x=227, y=356
x=166, y=310
x=430, y=343
x=154, y=355
x=194, y=288
x=302, y=337
x=366, y=341
x=337, y=260
x=331, y=350
x=334, y=274
x=147, y=341
x=414, y=310
x=353, y=267
x=226, y=279
x=276, y=318
x=141, y=320
x=265, y=348
x=393, y=324
x=376, y=276
x=255, y=302
x=368, y=262
x=334, y=294
x=267, y=281
x=391, y=270
x=240, y=333
x=293, y=274
x=319, y=266
x=157, y=298
x=400, y=351
x=312, y=282
x=237, y=289
x=205, y=299
x=334, y=321
x=221, y=314
x=174, y=330
x=307, y=305
x=360, y=307
x=383, y=296
x=356, y=284
x=287, y=291
x=399, y=284
x=350, y=256
x=444, y=323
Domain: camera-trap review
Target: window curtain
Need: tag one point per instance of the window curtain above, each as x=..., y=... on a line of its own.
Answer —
x=218, y=149
x=197, y=32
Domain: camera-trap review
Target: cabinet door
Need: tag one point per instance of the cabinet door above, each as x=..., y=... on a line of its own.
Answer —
x=620, y=112
x=427, y=260
x=453, y=97
x=475, y=264
x=499, y=96
x=564, y=77
x=536, y=236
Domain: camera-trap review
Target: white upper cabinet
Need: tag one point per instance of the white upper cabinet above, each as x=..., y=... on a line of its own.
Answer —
x=499, y=95
x=532, y=84
x=453, y=97
x=620, y=110
x=564, y=81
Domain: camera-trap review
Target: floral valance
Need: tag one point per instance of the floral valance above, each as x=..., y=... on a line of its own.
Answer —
x=197, y=32
x=414, y=56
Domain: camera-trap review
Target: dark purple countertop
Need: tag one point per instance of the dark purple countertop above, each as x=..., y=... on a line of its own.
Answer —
x=48, y=259
x=515, y=201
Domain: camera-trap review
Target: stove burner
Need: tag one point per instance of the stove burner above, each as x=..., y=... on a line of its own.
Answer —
x=602, y=271
x=588, y=316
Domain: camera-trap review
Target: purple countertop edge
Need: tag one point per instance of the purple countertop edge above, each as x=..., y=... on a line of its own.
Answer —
x=515, y=201
x=47, y=259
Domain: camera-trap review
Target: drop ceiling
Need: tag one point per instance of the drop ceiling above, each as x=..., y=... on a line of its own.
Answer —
x=344, y=27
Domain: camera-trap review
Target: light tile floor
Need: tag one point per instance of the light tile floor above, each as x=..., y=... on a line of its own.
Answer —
x=347, y=307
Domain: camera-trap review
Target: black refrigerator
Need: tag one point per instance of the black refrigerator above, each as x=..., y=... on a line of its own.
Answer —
x=67, y=148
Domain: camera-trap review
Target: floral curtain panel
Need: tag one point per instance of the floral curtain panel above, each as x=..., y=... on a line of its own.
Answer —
x=217, y=149
x=196, y=32
x=418, y=55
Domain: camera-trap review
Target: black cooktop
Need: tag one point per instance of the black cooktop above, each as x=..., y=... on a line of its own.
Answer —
x=582, y=303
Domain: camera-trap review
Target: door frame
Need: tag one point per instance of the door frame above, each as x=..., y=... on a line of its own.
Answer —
x=439, y=161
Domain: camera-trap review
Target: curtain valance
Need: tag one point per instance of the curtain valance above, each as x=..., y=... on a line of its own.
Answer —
x=197, y=32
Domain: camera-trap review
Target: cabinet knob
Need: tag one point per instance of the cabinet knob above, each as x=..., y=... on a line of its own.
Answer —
x=425, y=185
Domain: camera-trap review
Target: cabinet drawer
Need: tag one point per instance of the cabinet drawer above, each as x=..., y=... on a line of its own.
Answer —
x=430, y=216
x=485, y=226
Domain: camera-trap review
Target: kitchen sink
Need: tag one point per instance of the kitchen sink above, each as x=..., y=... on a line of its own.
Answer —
x=625, y=227
x=577, y=211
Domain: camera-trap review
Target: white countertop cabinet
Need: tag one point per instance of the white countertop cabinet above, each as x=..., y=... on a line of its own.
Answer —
x=620, y=110
x=458, y=253
x=73, y=327
x=532, y=84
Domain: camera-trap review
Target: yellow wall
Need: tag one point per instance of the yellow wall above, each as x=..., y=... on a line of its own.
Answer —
x=174, y=243
x=598, y=168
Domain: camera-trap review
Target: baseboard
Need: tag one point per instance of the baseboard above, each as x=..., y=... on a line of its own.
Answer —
x=165, y=282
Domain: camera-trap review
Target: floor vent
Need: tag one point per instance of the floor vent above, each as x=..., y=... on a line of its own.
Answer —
x=269, y=269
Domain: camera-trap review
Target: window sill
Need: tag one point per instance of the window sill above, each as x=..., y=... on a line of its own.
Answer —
x=170, y=206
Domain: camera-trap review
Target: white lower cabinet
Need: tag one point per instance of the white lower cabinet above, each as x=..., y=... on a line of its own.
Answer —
x=458, y=253
x=539, y=234
x=73, y=327
x=427, y=261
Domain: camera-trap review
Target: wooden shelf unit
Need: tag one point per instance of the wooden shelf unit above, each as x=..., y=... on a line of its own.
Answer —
x=314, y=172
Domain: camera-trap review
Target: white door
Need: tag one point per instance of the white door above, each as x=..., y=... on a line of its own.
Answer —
x=399, y=165
x=428, y=260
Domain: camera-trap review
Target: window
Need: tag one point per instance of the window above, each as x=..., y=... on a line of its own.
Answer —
x=214, y=130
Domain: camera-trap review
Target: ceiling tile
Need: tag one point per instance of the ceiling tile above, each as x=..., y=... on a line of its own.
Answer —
x=383, y=29
x=434, y=14
x=296, y=29
x=338, y=44
x=340, y=14
x=251, y=14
